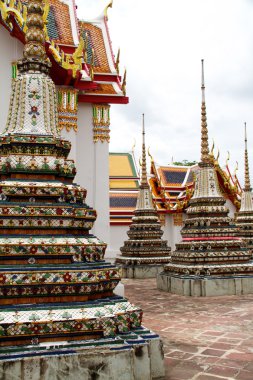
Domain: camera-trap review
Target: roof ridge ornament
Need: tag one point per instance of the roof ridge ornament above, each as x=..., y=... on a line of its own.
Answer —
x=246, y=162
x=204, y=131
x=106, y=9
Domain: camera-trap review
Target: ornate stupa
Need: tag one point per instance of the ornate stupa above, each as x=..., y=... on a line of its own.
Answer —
x=244, y=218
x=211, y=259
x=58, y=313
x=145, y=252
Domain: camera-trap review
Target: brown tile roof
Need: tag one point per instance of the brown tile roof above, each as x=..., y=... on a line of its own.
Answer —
x=96, y=42
x=172, y=176
x=103, y=89
x=62, y=18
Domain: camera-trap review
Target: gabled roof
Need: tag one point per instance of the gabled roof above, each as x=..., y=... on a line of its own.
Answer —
x=175, y=176
x=80, y=51
x=172, y=186
x=124, y=187
x=122, y=172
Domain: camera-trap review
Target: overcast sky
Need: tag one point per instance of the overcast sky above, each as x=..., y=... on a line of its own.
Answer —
x=162, y=43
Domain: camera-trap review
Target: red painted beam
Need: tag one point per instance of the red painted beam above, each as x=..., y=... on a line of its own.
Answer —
x=103, y=99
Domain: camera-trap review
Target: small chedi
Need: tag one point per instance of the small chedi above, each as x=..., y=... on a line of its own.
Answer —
x=145, y=253
x=58, y=313
x=244, y=218
x=211, y=259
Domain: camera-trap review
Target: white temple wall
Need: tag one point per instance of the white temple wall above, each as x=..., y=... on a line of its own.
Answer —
x=92, y=164
x=118, y=234
x=171, y=232
x=101, y=190
x=83, y=150
x=12, y=50
x=231, y=208
x=72, y=137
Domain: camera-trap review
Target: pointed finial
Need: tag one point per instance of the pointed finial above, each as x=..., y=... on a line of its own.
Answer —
x=228, y=158
x=133, y=147
x=123, y=86
x=212, y=149
x=204, y=131
x=246, y=162
x=144, y=179
x=218, y=155
x=117, y=61
x=236, y=168
x=150, y=155
x=106, y=9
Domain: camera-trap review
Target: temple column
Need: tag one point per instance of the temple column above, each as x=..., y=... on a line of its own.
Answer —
x=92, y=161
x=101, y=138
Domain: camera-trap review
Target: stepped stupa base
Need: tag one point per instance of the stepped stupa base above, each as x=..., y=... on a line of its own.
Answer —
x=137, y=354
x=141, y=268
x=205, y=286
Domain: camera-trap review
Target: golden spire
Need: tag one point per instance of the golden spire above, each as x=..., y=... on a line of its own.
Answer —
x=204, y=131
x=35, y=57
x=144, y=179
x=35, y=37
x=246, y=163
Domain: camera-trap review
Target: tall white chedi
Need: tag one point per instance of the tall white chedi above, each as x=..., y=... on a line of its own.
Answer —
x=211, y=259
x=145, y=253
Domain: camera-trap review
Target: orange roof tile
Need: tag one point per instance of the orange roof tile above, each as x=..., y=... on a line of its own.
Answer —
x=63, y=23
x=104, y=89
x=96, y=42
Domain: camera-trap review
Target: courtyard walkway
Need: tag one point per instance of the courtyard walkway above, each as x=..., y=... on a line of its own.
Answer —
x=204, y=338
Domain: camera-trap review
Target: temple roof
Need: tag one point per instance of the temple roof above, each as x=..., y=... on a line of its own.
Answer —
x=123, y=172
x=124, y=186
x=171, y=185
x=80, y=51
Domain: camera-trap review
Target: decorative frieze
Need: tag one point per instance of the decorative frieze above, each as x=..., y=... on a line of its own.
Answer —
x=101, y=122
x=67, y=108
x=178, y=219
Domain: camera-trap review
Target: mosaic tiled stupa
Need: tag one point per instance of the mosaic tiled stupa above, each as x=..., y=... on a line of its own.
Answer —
x=244, y=218
x=145, y=252
x=59, y=316
x=211, y=259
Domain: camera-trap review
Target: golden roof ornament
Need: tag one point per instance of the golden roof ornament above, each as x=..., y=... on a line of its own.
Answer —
x=150, y=155
x=123, y=86
x=204, y=132
x=106, y=9
x=117, y=61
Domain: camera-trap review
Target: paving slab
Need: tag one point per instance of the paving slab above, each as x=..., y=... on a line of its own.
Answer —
x=204, y=338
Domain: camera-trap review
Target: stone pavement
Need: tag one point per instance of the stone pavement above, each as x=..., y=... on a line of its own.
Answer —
x=207, y=338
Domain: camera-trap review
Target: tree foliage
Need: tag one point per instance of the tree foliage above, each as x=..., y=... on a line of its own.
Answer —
x=185, y=163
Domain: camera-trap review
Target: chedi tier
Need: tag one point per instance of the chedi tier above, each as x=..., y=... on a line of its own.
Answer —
x=211, y=259
x=244, y=218
x=145, y=253
x=56, y=296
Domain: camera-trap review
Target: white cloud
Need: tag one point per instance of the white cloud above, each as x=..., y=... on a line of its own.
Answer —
x=162, y=43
